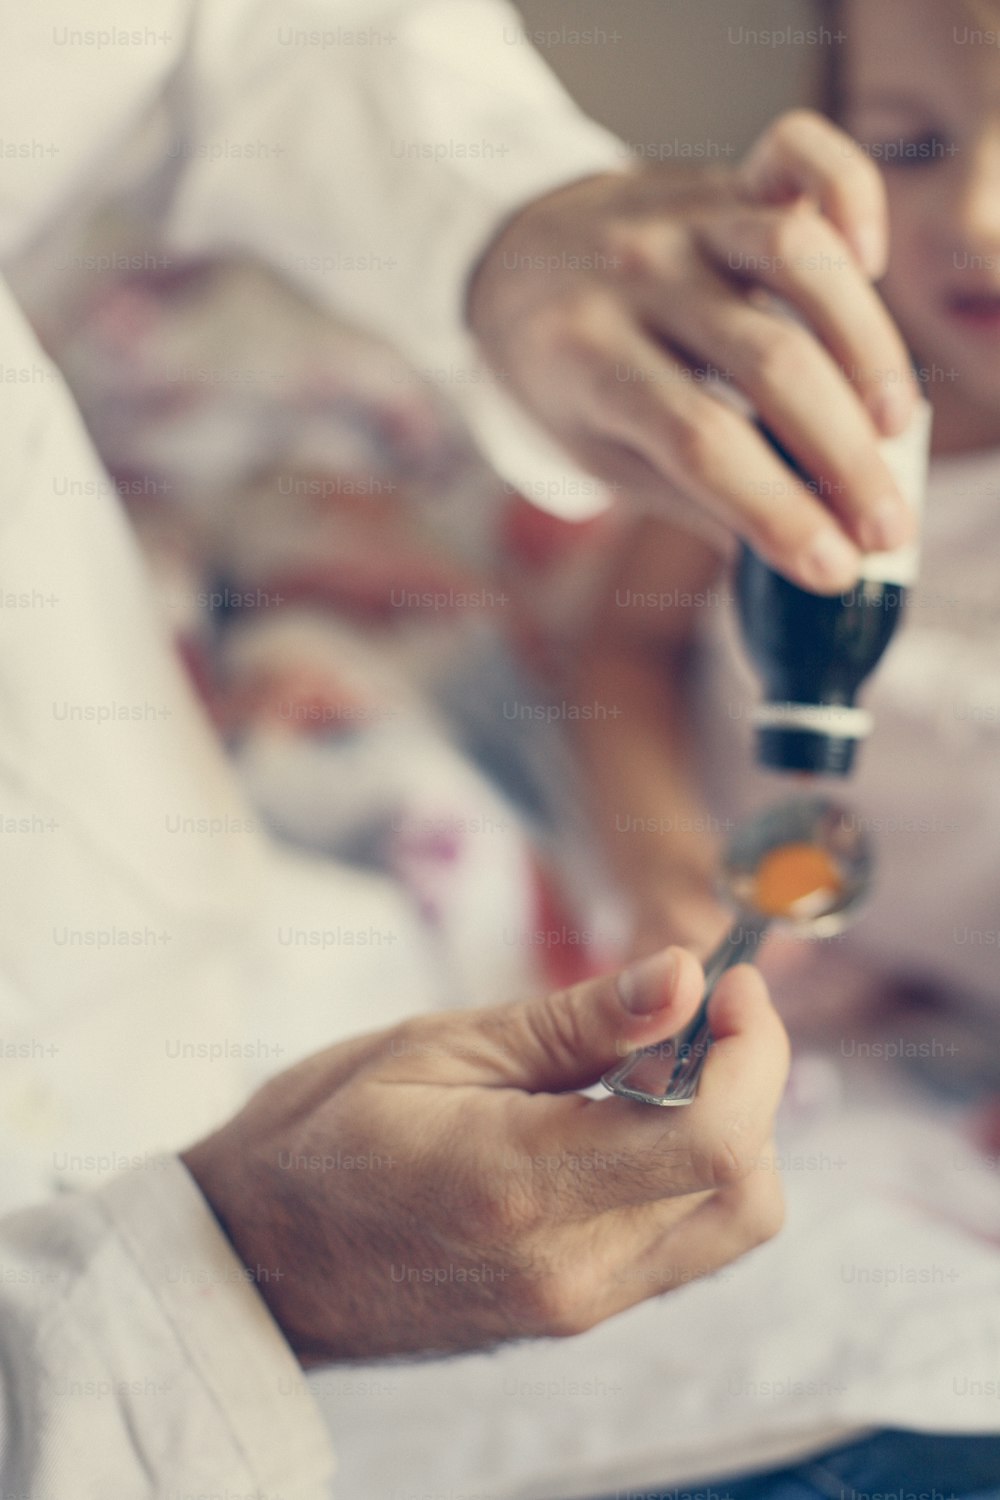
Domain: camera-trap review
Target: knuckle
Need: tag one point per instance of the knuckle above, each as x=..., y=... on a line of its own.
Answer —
x=787, y=233
x=818, y=245
x=670, y=1166
x=559, y=1306
x=635, y=250
x=558, y=1028
x=405, y=1038
x=738, y=1154
x=529, y=1304
x=429, y=1043
x=558, y=326
x=697, y=435
x=576, y=326
x=504, y=1210
x=780, y=356
x=616, y=391
x=730, y=1159
x=771, y=533
x=704, y=1159
x=571, y=1322
x=799, y=240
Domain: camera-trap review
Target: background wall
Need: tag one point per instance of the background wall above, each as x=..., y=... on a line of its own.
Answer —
x=670, y=73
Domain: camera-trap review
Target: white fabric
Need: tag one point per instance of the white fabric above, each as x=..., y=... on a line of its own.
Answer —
x=368, y=149
x=143, y=1352
x=146, y=973
x=878, y=1305
x=147, y=981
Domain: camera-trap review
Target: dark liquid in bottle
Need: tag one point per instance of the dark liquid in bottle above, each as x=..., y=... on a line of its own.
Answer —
x=812, y=651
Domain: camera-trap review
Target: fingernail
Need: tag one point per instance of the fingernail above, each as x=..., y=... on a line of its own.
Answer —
x=890, y=525
x=870, y=243
x=831, y=561
x=648, y=985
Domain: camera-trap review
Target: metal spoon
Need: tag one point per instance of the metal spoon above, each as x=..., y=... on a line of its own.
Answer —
x=668, y=1072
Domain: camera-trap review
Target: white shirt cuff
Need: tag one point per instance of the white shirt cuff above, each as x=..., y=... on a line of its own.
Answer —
x=234, y=1345
x=518, y=447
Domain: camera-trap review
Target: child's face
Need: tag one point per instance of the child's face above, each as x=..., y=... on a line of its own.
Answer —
x=923, y=96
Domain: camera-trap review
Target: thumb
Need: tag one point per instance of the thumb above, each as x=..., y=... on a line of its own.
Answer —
x=566, y=1040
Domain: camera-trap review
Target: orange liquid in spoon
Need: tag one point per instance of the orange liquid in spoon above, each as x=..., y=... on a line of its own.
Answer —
x=796, y=880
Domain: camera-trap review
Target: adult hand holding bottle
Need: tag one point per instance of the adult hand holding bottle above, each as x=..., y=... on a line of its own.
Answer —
x=603, y=305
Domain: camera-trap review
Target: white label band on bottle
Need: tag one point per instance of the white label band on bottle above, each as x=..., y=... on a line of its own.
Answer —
x=832, y=719
x=906, y=458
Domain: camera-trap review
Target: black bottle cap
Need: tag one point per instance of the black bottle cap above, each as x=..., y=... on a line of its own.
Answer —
x=785, y=749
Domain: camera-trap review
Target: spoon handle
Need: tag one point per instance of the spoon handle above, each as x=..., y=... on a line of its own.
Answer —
x=668, y=1072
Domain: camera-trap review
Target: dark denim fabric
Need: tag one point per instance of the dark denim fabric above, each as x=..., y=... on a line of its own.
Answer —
x=887, y=1466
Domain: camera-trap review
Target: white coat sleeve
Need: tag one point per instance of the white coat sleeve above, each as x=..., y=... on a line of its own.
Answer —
x=134, y=1355
x=137, y=1358
x=370, y=152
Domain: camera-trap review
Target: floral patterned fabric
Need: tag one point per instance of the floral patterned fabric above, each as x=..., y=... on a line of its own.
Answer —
x=375, y=622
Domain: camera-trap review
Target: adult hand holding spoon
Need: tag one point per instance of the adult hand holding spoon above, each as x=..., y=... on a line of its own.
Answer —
x=805, y=863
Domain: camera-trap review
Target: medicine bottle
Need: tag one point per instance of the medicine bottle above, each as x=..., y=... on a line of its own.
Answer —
x=813, y=653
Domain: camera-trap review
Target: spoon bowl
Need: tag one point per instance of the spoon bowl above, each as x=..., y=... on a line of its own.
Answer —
x=821, y=823
x=668, y=1073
